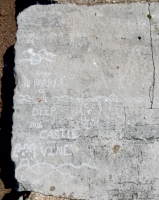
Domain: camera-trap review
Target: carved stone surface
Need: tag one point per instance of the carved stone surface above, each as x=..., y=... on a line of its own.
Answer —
x=84, y=125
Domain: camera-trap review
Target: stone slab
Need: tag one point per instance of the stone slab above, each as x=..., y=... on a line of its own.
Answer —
x=82, y=125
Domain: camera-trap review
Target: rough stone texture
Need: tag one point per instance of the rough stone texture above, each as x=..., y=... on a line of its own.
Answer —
x=84, y=124
x=101, y=2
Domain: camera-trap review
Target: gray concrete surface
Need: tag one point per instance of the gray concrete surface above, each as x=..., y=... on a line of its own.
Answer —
x=86, y=117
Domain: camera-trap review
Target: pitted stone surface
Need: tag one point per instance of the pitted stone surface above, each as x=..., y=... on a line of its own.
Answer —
x=83, y=127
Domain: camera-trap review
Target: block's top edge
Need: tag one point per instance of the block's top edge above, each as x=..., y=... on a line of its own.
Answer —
x=45, y=8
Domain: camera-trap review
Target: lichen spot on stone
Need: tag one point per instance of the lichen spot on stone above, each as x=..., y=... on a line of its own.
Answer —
x=116, y=148
x=52, y=188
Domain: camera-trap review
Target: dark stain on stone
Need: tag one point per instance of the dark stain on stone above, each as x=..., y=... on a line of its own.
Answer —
x=52, y=188
x=139, y=38
x=116, y=148
x=117, y=67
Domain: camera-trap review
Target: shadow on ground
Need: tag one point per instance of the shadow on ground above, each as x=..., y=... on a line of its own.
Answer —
x=7, y=91
x=8, y=84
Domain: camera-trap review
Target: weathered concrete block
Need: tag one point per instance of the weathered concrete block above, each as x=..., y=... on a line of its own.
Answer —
x=83, y=127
